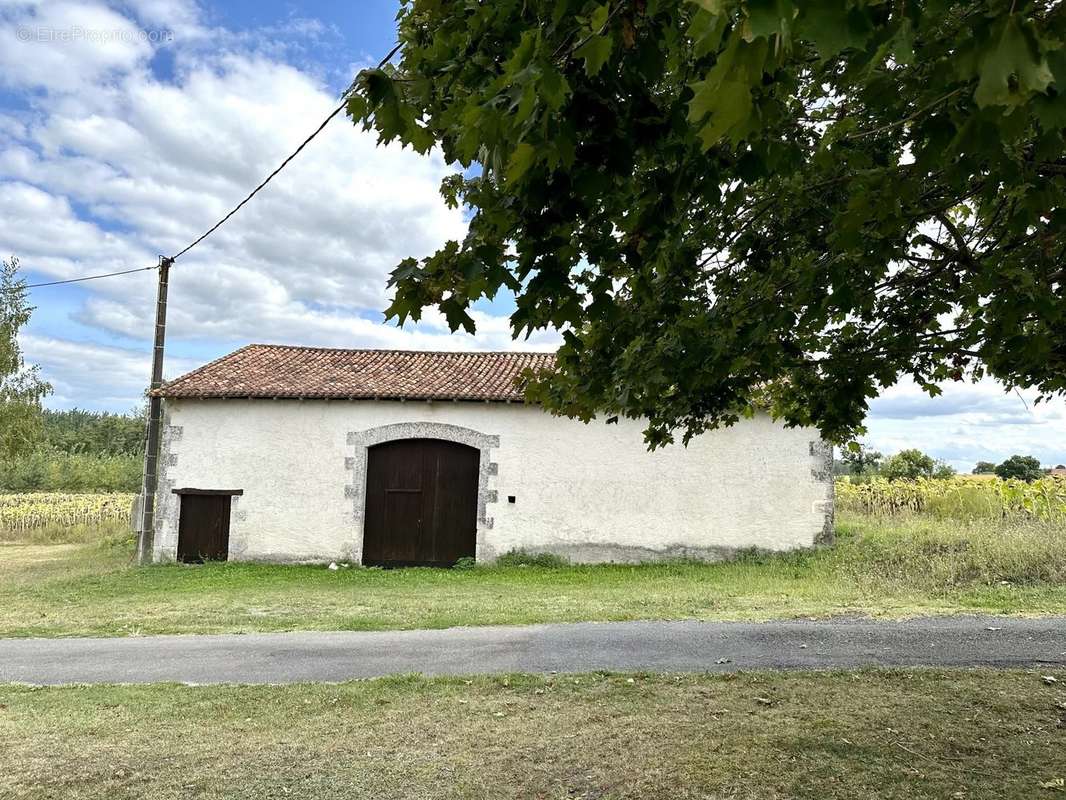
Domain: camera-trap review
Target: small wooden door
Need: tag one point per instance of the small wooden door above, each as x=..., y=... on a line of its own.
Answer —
x=421, y=503
x=203, y=527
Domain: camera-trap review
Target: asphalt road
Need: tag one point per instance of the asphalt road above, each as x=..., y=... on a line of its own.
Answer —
x=580, y=647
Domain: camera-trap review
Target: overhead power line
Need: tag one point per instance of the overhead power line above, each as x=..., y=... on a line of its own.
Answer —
x=267, y=180
x=285, y=163
x=91, y=277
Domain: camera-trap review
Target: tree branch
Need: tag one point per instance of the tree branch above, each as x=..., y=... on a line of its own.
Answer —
x=963, y=254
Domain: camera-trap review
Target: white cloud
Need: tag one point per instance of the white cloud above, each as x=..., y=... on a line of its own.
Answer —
x=44, y=231
x=968, y=423
x=327, y=230
x=66, y=45
x=94, y=376
x=181, y=17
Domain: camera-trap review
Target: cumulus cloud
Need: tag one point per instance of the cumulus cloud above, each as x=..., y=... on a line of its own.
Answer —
x=181, y=17
x=94, y=376
x=64, y=46
x=164, y=161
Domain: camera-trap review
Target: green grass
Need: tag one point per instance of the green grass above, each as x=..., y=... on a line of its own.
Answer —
x=893, y=735
x=880, y=567
x=107, y=533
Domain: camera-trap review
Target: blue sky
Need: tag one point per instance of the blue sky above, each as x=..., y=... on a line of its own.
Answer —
x=127, y=128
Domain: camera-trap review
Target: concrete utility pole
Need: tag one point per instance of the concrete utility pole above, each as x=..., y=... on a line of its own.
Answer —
x=155, y=421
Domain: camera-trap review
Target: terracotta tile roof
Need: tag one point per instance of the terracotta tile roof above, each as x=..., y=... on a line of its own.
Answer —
x=263, y=370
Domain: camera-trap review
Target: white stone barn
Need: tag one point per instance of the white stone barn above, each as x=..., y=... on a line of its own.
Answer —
x=391, y=457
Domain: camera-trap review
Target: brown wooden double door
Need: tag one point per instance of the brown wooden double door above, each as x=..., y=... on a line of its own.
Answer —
x=421, y=503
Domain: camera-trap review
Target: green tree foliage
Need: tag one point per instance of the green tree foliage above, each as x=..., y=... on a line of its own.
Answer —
x=909, y=465
x=942, y=470
x=21, y=387
x=984, y=468
x=95, y=433
x=45, y=470
x=790, y=202
x=1025, y=468
x=861, y=460
x=80, y=451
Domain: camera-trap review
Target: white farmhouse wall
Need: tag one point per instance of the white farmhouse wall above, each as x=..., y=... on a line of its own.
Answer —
x=590, y=492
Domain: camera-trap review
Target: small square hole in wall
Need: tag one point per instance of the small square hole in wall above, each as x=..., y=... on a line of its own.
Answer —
x=510, y=498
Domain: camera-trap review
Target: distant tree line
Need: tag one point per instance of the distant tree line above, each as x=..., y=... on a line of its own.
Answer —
x=79, y=451
x=91, y=432
x=904, y=465
x=862, y=462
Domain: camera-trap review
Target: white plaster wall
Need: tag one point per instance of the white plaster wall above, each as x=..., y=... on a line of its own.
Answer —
x=592, y=492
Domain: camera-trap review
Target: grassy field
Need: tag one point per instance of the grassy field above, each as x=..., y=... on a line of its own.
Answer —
x=881, y=566
x=892, y=734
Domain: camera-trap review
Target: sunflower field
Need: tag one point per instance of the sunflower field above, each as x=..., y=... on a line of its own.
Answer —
x=55, y=516
x=958, y=497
